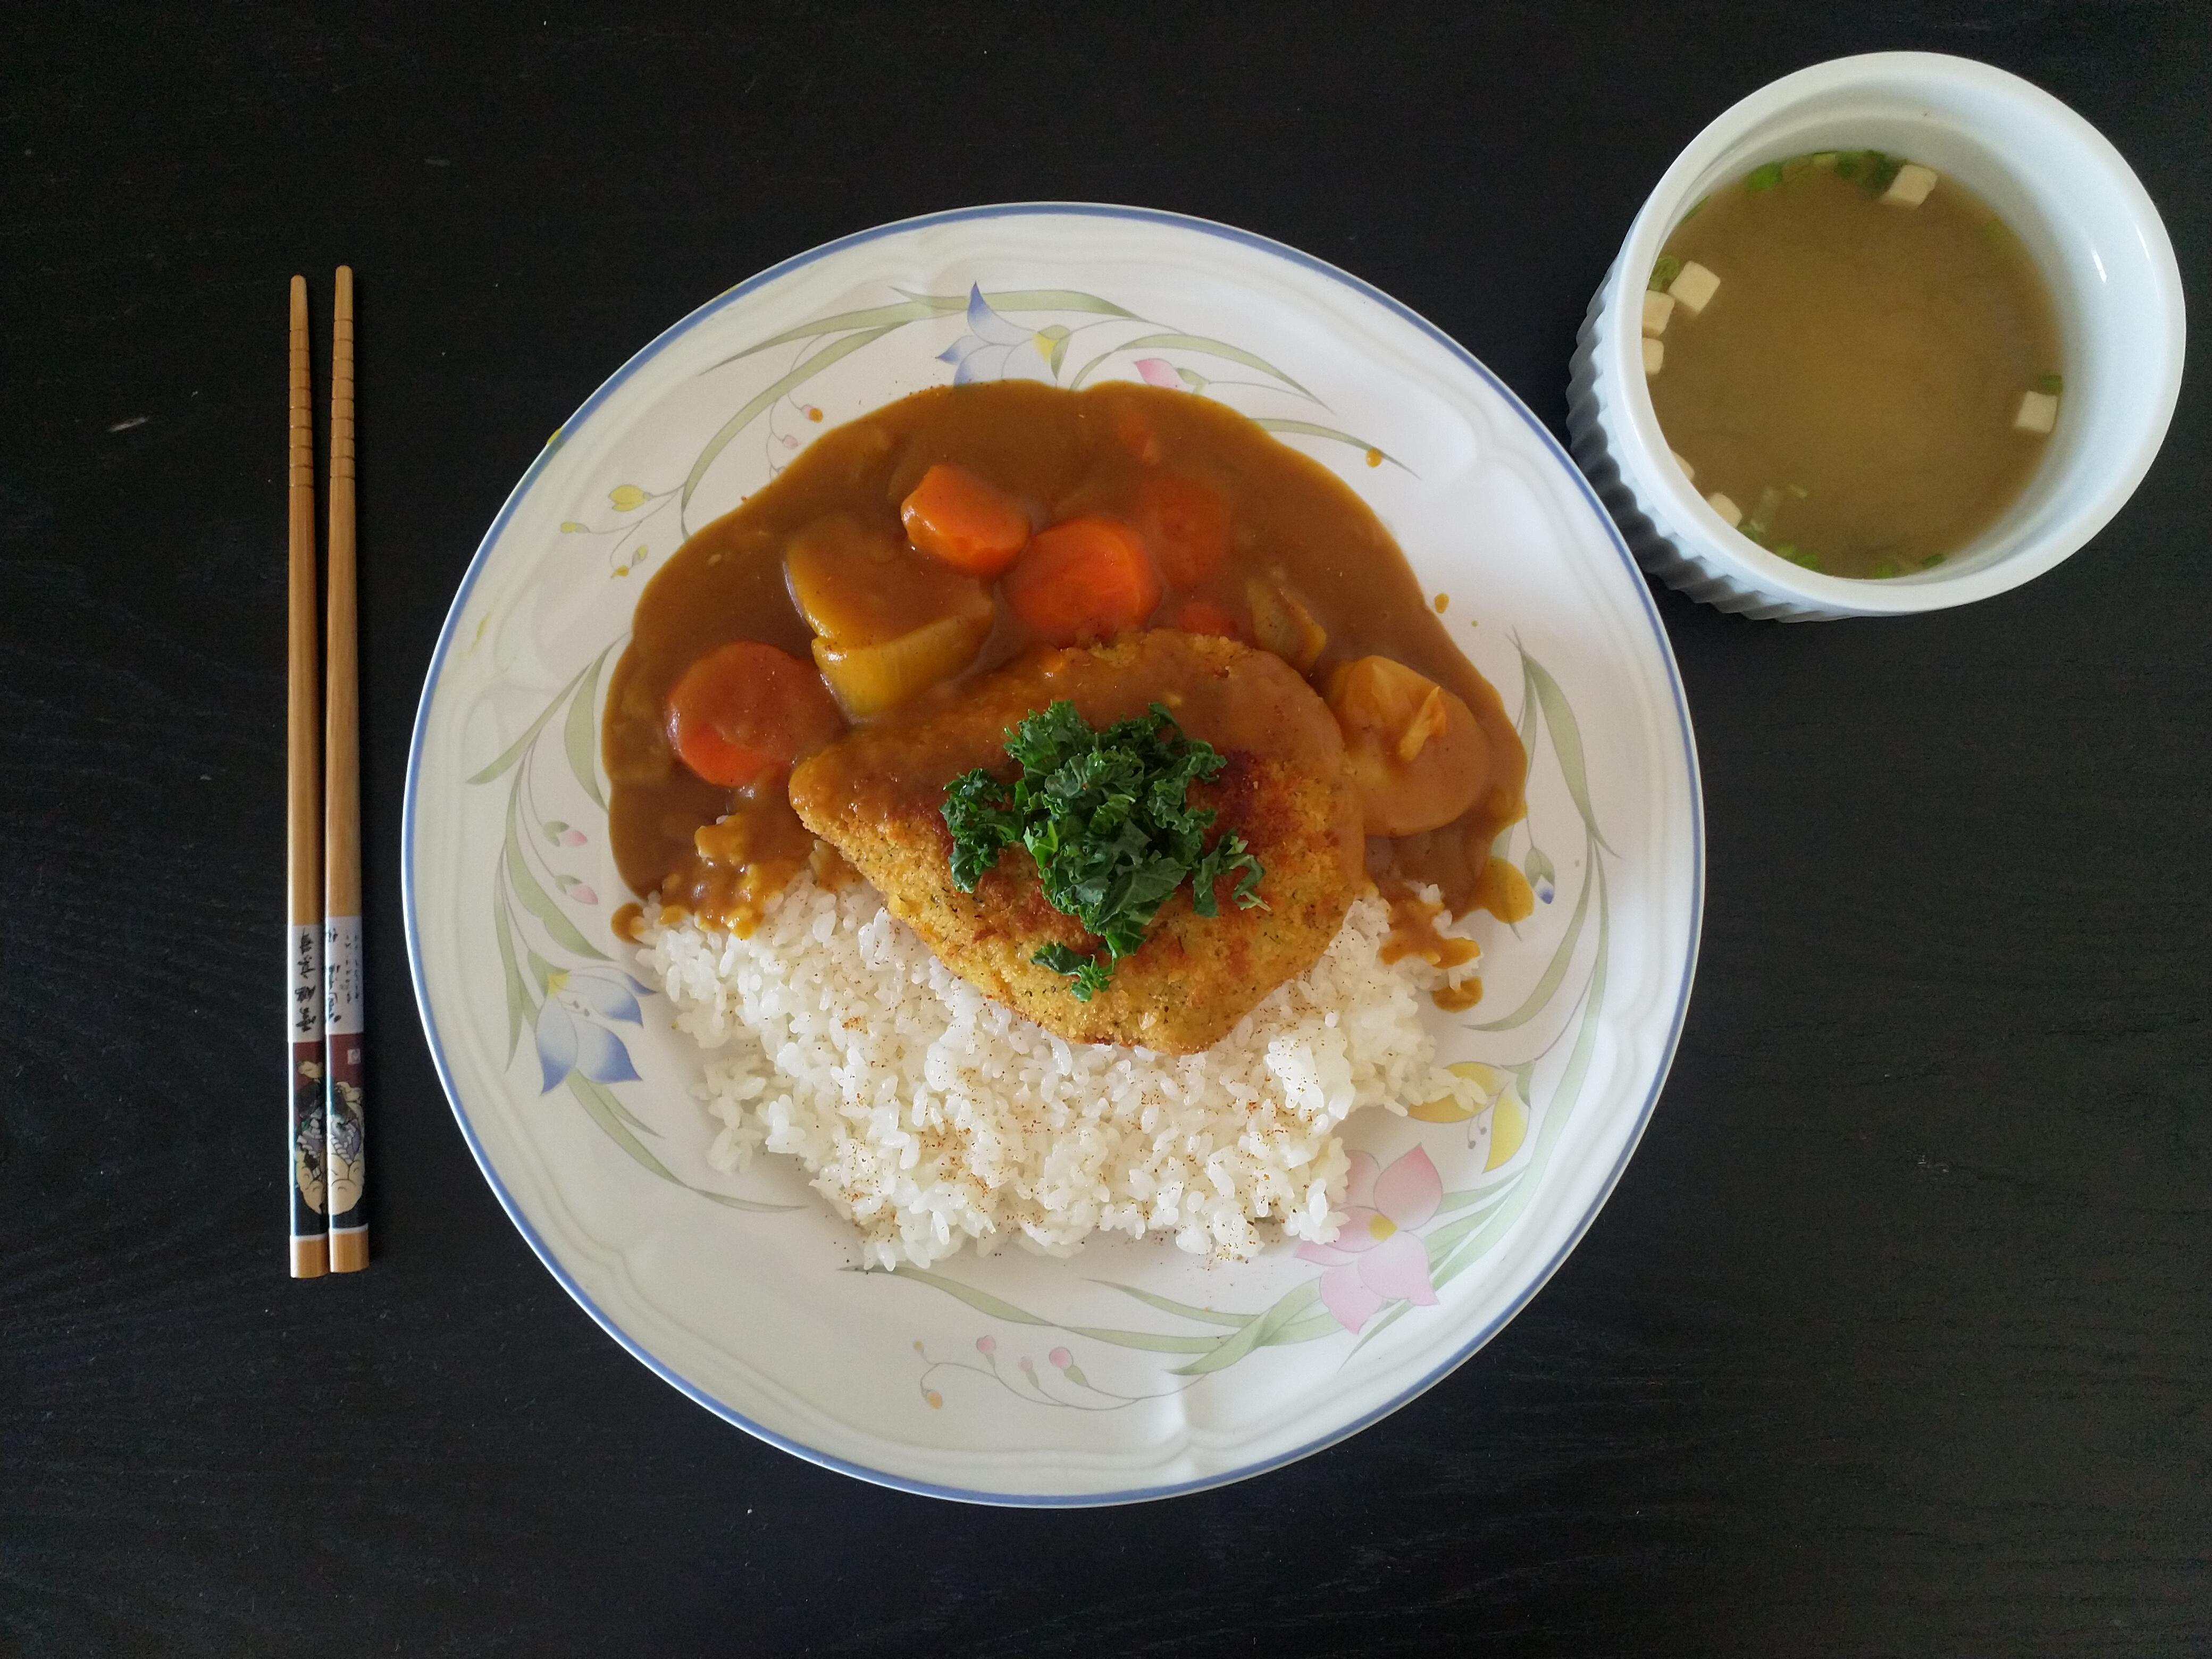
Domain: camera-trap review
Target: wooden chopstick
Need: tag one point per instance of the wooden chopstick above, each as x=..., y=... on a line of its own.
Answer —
x=303, y=1018
x=342, y=952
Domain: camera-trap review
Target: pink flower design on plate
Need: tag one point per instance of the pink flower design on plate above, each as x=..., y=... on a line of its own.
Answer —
x=1158, y=371
x=1378, y=1258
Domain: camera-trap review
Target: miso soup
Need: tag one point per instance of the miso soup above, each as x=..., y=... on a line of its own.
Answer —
x=1854, y=359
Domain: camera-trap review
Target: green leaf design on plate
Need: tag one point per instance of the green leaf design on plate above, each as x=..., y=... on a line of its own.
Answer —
x=1566, y=743
x=615, y=1105
x=1311, y=1328
x=515, y=751
x=1073, y=1373
x=1391, y=1316
x=1440, y=1241
x=580, y=729
x=514, y=879
x=1147, y=1339
x=1570, y=1080
x=983, y=1300
x=1564, y=1099
x=1538, y=866
x=536, y=900
x=540, y=969
x=1555, y=971
x=1451, y=1267
x=1311, y=430
x=1262, y=1333
x=1452, y=1201
x=807, y=370
x=520, y=1009
x=1501, y=845
x=1048, y=299
x=878, y=319
x=1059, y=337
x=916, y=307
x=607, y=1112
x=1212, y=347
x=1183, y=1309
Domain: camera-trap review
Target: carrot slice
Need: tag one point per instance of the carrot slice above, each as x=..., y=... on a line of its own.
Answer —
x=1189, y=522
x=746, y=708
x=1204, y=617
x=1083, y=578
x=957, y=518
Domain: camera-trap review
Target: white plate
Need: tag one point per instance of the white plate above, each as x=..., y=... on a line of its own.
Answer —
x=1132, y=1371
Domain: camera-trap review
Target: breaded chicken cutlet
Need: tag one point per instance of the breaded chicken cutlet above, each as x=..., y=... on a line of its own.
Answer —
x=877, y=795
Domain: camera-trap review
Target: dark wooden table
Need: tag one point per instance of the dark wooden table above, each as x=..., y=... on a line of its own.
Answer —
x=1895, y=1338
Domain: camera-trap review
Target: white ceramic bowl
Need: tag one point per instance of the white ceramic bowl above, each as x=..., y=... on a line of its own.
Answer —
x=2070, y=197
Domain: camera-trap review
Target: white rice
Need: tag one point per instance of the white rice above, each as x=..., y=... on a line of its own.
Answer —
x=931, y=1116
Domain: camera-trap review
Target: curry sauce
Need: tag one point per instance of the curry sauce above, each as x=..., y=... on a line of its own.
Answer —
x=1303, y=567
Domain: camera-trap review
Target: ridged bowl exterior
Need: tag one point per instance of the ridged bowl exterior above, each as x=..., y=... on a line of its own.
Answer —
x=1665, y=550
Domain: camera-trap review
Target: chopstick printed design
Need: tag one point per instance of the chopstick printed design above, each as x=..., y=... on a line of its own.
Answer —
x=305, y=1149
x=342, y=1012
x=326, y=1169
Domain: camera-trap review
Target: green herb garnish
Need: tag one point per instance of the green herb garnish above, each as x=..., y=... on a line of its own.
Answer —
x=1664, y=269
x=1763, y=178
x=1106, y=816
x=1869, y=168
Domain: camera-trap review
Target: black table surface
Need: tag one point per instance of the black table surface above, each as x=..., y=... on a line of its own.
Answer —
x=1895, y=1337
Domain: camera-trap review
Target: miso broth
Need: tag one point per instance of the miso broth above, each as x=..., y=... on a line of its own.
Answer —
x=1854, y=360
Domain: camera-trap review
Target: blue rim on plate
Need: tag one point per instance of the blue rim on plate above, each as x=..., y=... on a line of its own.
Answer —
x=844, y=1466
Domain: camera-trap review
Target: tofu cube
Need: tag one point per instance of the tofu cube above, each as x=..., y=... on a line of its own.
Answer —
x=1688, y=471
x=1727, y=508
x=1657, y=308
x=1910, y=186
x=1655, y=354
x=2039, y=412
x=1693, y=286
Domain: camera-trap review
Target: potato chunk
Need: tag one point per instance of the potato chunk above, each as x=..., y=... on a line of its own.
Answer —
x=859, y=583
x=1414, y=749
